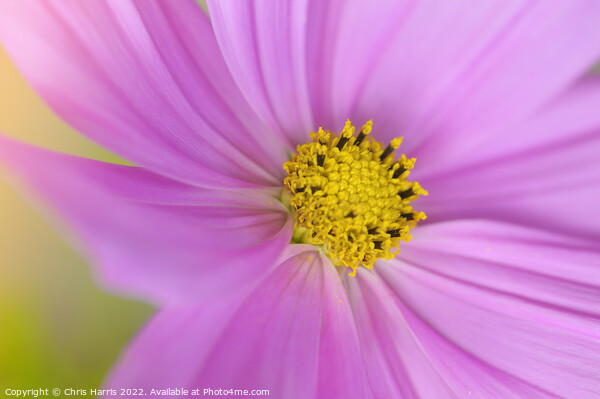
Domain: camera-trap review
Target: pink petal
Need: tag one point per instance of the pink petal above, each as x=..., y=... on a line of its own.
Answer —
x=294, y=335
x=409, y=359
x=545, y=173
x=392, y=356
x=263, y=44
x=289, y=57
x=500, y=309
x=146, y=80
x=450, y=76
x=154, y=237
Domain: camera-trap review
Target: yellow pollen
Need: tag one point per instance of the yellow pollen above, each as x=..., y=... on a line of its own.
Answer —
x=350, y=195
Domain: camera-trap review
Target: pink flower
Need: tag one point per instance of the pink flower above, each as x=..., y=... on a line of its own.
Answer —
x=496, y=296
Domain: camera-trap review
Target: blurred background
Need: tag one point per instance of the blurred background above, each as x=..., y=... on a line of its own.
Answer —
x=57, y=329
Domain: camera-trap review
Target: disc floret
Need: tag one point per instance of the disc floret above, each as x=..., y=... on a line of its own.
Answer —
x=350, y=195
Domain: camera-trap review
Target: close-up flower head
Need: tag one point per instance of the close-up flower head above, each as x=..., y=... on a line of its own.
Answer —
x=326, y=199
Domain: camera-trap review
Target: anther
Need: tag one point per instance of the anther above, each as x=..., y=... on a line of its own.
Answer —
x=366, y=129
x=372, y=230
x=394, y=233
x=377, y=244
x=342, y=142
x=398, y=172
x=320, y=159
x=388, y=150
x=408, y=216
x=395, y=143
x=406, y=193
x=361, y=136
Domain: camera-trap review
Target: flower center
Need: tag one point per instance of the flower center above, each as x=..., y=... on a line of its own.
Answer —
x=349, y=195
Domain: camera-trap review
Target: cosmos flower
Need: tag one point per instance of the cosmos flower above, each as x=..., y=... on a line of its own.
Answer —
x=290, y=279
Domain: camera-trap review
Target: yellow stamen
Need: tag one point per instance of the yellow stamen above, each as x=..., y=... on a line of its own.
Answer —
x=349, y=195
